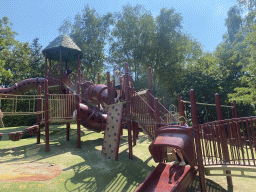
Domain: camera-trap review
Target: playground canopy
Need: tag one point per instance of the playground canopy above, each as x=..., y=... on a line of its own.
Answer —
x=69, y=50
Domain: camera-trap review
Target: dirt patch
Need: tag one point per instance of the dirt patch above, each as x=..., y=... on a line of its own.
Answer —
x=22, y=172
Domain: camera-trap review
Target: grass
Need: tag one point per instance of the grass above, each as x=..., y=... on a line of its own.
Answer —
x=86, y=169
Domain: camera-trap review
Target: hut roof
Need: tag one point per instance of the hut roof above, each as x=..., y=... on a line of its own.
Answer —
x=64, y=43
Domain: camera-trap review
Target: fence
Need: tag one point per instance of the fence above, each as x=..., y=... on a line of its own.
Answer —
x=229, y=142
x=61, y=107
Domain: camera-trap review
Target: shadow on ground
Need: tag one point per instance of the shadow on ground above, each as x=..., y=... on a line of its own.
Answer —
x=86, y=169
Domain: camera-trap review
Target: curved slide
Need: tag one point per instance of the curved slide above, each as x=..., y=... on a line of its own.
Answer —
x=170, y=177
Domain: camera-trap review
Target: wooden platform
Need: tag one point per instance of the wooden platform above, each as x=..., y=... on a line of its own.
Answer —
x=243, y=170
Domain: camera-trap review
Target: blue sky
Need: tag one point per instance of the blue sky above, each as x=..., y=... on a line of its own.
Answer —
x=203, y=19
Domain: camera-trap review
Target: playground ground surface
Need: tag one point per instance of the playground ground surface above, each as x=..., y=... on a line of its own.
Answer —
x=84, y=169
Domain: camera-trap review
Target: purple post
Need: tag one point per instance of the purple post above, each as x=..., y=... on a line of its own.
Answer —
x=150, y=79
x=68, y=108
x=78, y=116
x=45, y=67
x=157, y=113
x=39, y=108
x=46, y=119
x=235, y=109
x=128, y=106
x=60, y=73
x=197, y=140
x=50, y=67
x=182, y=108
x=218, y=107
x=224, y=145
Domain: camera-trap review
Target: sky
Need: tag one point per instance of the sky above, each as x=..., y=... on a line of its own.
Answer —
x=203, y=19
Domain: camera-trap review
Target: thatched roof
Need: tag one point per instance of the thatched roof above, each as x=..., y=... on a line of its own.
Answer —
x=69, y=49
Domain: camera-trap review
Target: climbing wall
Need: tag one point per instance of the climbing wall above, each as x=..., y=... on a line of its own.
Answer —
x=111, y=141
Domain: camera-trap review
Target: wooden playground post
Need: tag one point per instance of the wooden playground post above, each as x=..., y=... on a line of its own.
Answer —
x=150, y=79
x=39, y=109
x=128, y=106
x=98, y=83
x=78, y=116
x=165, y=112
x=235, y=109
x=197, y=140
x=108, y=85
x=68, y=108
x=45, y=66
x=223, y=139
x=60, y=73
x=67, y=92
x=135, y=125
x=182, y=108
x=50, y=66
x=157, y=113
x=46, y=118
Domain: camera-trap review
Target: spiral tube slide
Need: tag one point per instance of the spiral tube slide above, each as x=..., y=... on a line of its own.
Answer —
x=91, y=119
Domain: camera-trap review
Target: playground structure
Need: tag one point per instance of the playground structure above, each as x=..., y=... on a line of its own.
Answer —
x=220, y=145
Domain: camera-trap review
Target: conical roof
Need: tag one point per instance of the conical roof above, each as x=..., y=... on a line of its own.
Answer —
x=69, y=49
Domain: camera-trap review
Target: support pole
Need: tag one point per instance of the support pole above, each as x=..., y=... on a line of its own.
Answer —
x=150, y=79
x=128, y=106
x=179, y=104
x=46, y=119
x=182, y=108
x=50, y=67
x=224, y=140
x=39, y=109
x=157, y=113
x=60, y=73
x=79, y=69
x=45, y=66
x=68, y=108
x=197, y=140
x=235, y=109
x=109, y=86
x=165, y=112
x=98, y=83
x=78, y=117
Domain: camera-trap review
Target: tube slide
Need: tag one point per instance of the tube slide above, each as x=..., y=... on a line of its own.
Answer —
x=95, y=93
x=170, y=177
x=91, y=119
x=27, y=85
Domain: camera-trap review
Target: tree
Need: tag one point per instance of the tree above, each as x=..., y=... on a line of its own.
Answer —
x=233, y=22
x=132, y=37
x=203, y=76
x=7, y=41
x=37, y=60
x=90, y=32
x=18, y=62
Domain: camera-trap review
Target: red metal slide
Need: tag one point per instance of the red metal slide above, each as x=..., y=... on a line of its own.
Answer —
x=169, y=177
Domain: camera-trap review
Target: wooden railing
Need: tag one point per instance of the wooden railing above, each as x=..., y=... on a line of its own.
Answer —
x=61, y=107
x=229, y=142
